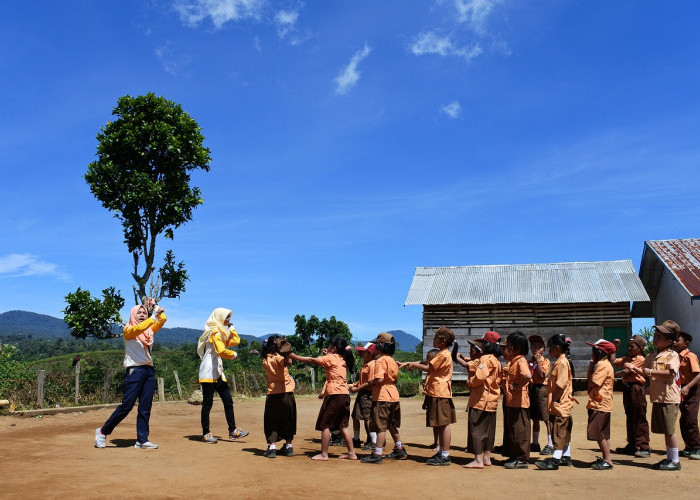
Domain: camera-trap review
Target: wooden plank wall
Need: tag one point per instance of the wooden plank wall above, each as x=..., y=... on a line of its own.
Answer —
x=582, y=322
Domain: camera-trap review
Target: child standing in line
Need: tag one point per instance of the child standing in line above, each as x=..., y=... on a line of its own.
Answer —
x=634, y=399
x=661, y=367
x=335, y=409
x=539, y=367
x=440, y=411
x=219, y=334
x=516, y=385
x=600, y=397
x=484, y=379
x=559, y=403
x=280, y=417
x=386, y=409
x=362, y=409
x=428, y=357
x=690, y=397
x=140, y=378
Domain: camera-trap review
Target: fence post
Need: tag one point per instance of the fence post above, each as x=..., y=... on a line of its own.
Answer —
x=245, y=387
x=313, y=379
x=255, y=382
x=77, y=382
x=161, y=389
x=177, y=381
x=41, y=377
x=106, y=385
x=233, y=382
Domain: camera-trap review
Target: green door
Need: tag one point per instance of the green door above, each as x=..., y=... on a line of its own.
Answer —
x=618, y=332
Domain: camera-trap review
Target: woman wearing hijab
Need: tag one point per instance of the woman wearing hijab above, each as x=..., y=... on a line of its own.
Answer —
x=219, y=334
x=140, y=378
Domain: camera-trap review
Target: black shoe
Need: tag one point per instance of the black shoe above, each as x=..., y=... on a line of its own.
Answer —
x=601, y=464
x=626, y=450
x=369, y=445
x=565, y=462
x=516, y=463
x=685, y=453
x=439, y=460
x=356, y=443
x=547, y=450
x=548, y=464
x=270, y=452
x=498, y=449
x=535, y=448
x=398, y=454
x=287, y=451
x=336, y=442
x=372, y=458
x=666, y=464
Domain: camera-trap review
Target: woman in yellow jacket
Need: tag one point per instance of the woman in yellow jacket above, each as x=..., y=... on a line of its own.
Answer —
x=219, y=334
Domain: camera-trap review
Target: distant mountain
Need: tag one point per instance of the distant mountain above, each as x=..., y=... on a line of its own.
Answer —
x=405, y=341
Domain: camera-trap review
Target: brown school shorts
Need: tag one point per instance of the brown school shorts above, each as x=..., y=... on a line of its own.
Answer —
x=561, y=431
x=538, y=403
x=439, y=412
x=334, y=413
x=385, y=415
x=362, y=409
x=663, y=418
x=598, y=425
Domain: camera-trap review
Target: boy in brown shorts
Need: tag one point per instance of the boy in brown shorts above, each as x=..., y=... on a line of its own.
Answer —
x=386, y=410
x=634, y=399
x=661, y=367
x=539, y=366
x=600, y=397
x=690, y=397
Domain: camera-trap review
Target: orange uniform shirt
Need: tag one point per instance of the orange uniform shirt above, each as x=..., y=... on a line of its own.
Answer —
x=336, y=374
x=278, y=379
x=689, y=366
x=517, y=382
x=560, y=390
x=484, y=378
x=600, y=393
x=629, y=377
x=438, y=382
x=537, y=379
x=366, y=372
x=663, y=388
x=386, y=369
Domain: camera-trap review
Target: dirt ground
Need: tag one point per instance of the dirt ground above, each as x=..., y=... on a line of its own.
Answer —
x=54, y=457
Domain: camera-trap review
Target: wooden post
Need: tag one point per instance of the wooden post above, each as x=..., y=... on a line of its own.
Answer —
x=255, y=382
x=245, y=387
x=106, y=386
x=233, y=381
x=77, y=382
x=313, y=379
x=177, y=381
x=161, y=389
x=40, y=388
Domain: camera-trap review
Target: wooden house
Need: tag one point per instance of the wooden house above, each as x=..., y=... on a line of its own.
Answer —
x=583, y=300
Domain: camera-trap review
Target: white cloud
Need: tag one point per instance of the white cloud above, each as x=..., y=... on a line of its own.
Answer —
x=172, y=64
x=431, y=43
x=220, y=12
x=349, y=76
x=19, y=265
x=286, y=21
x=475, y=13
x=453, y=109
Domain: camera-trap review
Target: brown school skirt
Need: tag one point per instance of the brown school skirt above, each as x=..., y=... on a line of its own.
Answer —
x=598, y=425
x=385, y=415
x=439, y=412
x=517, y=425
x=481, y=431
x=334, y=412
x=362, y=409
x=663, y=418
x=538, y=402
x=561, y=431
x=280, y=417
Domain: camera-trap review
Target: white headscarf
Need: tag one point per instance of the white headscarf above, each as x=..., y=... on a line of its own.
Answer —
x=215, y=323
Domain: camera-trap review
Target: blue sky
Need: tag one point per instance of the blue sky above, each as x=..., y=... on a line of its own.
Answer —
x=351, y=142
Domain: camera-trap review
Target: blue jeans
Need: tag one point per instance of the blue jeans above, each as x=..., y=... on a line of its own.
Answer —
x=140, y=383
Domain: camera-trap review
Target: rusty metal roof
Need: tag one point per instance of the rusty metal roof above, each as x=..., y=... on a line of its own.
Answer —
x=560, y=283
x=681, y=257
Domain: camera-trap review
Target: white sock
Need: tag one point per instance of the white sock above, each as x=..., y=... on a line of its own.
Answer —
x=373, y=437
x=557, y=454
x=536, y=437
x=549, y=440
x=287, y=445
x=567, y=451
x=356, y=435
x=672, y=454
x=398, y=444
x=273, y=446
x=445, y=454
x=377, y=451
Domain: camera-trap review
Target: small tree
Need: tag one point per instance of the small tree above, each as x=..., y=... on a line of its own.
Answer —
x=91, y=317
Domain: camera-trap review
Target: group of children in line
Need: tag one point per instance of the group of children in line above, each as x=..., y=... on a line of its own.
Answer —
x=534, y=390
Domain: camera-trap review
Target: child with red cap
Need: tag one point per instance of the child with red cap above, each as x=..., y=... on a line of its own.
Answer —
x=362, y=409
x=600, y=397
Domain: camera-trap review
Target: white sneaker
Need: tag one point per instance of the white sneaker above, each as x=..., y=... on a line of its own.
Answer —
x=146, y=446
x=100, y=439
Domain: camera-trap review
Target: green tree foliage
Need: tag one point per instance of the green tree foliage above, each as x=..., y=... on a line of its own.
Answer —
x=89, y=316
x=315, y=333
x=142, y=175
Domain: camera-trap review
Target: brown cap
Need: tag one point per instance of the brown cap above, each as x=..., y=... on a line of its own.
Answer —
x=445, y=333
x=671, y=325
x=639, y=341
x=535, y=338
x=384, y=337
x=663, y=329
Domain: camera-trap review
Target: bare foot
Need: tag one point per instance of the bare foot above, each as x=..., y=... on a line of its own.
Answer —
x=320, y=456
x=473, y=465
x=348, y=456
x=487, y=463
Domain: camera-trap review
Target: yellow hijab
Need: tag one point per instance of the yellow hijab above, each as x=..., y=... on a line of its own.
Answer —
x=215, y=323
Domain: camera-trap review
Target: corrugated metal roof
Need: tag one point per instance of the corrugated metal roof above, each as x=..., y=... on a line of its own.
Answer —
x=682, y=258
x=561, y=283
